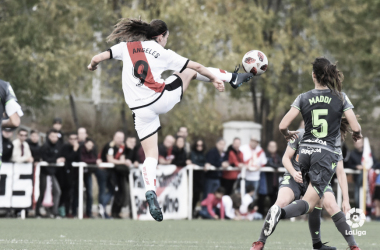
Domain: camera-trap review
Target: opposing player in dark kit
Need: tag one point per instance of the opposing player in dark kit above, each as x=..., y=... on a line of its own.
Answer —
x=319, y=150
x=142, y=50
x=10, y=107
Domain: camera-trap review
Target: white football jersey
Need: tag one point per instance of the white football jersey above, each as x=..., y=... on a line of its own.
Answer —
x=143, y=64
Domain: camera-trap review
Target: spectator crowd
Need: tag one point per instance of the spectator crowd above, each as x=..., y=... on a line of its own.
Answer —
x=216, y=189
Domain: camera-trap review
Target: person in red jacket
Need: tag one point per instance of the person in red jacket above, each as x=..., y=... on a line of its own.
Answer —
x=235, y=158
x=210, y=209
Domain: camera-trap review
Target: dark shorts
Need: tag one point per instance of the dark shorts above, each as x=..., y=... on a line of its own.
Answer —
x=298, y=188
x=318, y=167
x=376, y=193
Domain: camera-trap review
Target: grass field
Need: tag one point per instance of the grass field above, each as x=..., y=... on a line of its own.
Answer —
x=197, y=234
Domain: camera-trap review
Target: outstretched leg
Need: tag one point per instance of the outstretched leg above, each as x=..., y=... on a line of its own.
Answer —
x=235, y=79
x=338, y=217
x=284, y=197
x=150, y=148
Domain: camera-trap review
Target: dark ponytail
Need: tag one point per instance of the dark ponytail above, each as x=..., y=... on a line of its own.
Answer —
x=128, y=29
x=345, y=127
x=328, y=75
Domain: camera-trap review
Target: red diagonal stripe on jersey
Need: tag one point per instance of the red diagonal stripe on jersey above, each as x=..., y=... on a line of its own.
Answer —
x=222, y=71
x=140, y=55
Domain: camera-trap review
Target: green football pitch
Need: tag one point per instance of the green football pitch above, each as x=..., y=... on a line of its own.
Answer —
x=197, y=234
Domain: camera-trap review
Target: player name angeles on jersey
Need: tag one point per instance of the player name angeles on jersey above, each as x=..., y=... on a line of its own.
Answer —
x=321, y=98
x=147, y=51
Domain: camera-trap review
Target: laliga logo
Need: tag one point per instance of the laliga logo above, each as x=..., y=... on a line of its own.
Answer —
x=355, y=218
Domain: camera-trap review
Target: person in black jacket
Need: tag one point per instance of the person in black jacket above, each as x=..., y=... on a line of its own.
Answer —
x=68, y=176
x=198, y=157
x=7, y=144
x=179, y=152
x=34, y=145
x=49, y=152
x=355, y=162
x=57, y=125
x=89, y=155
x=122, y=195
x=214, y=158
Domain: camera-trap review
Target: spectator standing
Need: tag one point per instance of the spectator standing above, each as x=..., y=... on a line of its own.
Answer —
x=254, y=157
x=179, y=152
x=132, y=160
x=68, y=176
x=214, y=158
x=34, y=145
x=183, y=132
x=210, y=209
x=355, y=162
x=113, y=152
x=21, y=151
x=7, y=134
x=57, y=125
x=198, y=157
x=122, y=173
x=235, y=158
x=165, y=150
x=88, y=155
x=269, y=181
x=131, y=152
x=49, y=153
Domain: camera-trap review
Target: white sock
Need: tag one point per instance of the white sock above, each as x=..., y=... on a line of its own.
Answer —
x=149, y=173
x=219, y=73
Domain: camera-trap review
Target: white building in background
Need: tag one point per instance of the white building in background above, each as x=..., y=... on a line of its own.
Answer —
x=242, y=129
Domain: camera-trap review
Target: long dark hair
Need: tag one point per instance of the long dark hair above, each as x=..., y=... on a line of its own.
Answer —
x=328, y=75
x=194, y=148
x=128, y=29
x=345, y=127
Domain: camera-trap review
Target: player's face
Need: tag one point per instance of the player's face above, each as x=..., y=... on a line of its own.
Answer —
x=163, y=39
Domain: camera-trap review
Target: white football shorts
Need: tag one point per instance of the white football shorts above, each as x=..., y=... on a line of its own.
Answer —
x=146, y=118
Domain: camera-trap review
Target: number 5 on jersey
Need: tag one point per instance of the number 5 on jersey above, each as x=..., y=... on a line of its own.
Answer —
x=319, y=123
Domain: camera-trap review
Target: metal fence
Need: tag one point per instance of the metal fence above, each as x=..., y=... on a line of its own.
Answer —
x=191, y=169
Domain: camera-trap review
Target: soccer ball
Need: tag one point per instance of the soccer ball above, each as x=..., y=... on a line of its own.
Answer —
x=255, y=62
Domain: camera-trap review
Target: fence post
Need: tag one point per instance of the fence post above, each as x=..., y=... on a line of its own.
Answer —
x=80, y=195
x=242, y=182
x=190, y=192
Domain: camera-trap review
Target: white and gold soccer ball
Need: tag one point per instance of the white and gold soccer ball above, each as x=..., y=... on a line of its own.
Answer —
x=255, y=62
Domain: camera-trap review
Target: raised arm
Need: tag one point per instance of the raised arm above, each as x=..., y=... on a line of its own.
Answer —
x=219, y=85
x=342, y=179
x=286, y=121
x=98, y=59
x=354, y=124
x=13, y=121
